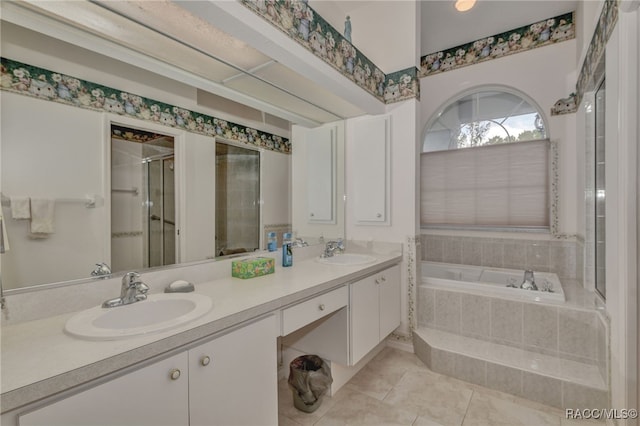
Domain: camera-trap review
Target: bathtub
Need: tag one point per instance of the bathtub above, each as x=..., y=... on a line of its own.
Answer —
x=490, y=281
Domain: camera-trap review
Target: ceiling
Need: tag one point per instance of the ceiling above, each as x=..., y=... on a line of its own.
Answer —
x=166, y=32
x=444, y=27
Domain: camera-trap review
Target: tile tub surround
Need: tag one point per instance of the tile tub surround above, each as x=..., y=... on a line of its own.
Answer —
x=562, y=257
x=555, y=354
x=542, y=378
x=565, y=331
x=33, y=331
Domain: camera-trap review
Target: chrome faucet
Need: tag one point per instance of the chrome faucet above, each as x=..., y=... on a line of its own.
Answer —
x=132, y=290
x=102, y=270
x=332, y=247
x=299, y=242
x=528, y=283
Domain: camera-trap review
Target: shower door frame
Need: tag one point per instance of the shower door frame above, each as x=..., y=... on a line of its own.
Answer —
x=260, y=201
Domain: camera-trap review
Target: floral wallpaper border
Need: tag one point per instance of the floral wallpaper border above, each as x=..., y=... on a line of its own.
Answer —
x=300, y=22
x=538, y=34
x=589, y=73
x=48, y=85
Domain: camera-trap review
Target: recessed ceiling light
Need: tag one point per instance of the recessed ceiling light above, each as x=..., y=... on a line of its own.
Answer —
x=464, y=5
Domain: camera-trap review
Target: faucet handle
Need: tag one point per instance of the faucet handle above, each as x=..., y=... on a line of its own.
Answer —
x=142, y=287
x=130, y=278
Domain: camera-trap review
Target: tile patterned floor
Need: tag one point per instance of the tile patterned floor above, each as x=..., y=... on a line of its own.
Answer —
x=396, y=388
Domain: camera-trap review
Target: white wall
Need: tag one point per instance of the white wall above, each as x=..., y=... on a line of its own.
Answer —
x=545, y=75
x=390, y=42
x=53, y=151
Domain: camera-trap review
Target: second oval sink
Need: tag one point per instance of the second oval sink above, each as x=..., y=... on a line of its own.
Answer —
x=347, y=259
x=159, y=312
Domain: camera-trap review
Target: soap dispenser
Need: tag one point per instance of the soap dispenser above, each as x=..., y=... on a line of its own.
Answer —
x=287, y=252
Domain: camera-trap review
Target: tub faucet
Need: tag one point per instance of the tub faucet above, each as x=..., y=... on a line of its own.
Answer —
x=332, y=247
x=528, y=283
x=132, y=290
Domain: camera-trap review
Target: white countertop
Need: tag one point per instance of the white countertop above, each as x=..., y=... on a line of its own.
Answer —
x=39, y=359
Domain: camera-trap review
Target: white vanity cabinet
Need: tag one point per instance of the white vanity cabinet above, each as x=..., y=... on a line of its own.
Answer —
x=233, y=379
x=375, y=310
x=230, y=380
x=154, y=395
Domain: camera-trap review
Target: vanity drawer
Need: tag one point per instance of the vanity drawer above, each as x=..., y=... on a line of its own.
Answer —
x=304, y=313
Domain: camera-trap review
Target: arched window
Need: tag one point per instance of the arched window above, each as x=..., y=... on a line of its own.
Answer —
x=484, y=117
x=485, y=163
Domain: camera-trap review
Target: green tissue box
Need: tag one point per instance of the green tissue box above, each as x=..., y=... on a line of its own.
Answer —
x=254, y=267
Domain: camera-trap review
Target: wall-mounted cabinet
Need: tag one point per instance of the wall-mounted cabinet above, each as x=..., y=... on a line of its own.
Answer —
x=371, y=152
x=317, y=183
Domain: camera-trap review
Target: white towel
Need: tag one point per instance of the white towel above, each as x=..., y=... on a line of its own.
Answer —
x=42, y=210
x=20, y=207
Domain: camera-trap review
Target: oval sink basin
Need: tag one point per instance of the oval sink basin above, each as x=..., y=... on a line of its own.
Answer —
x=347, y=259
x=159, y=312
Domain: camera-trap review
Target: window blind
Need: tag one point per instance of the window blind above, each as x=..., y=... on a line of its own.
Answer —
x=503, y=185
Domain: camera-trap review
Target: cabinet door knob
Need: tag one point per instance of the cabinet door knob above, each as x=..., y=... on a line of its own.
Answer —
x=321, y=307
x=383, y=279
x=174, y=374
x=205, y=360
x=312, y=215
x=379, y=215
x=377, y=281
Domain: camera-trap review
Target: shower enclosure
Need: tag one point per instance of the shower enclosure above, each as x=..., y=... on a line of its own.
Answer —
x=237, y=199
x=143, y=198
x=160, y=211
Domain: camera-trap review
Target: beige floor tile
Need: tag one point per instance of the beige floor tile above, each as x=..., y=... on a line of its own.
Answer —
x=519, y=400
x=431, y=396
x=356, y=408
x=286, y=421
x=491, y=410
x=374, y=383
x=421, y=421
x=582, y=422
x=384, y=371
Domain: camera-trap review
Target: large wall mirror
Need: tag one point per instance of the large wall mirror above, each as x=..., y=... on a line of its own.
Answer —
x=130, y=204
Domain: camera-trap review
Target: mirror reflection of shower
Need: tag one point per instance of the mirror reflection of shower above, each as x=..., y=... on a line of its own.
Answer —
x=143, y=199
x=237, y=199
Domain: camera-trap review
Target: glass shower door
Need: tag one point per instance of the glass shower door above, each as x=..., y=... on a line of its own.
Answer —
x=237, y=199
x=161, y=212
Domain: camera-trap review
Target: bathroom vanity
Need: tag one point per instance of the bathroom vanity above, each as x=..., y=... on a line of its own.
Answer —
x=219, y=369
